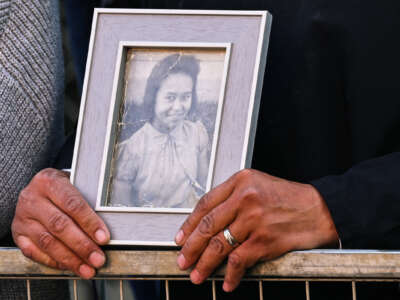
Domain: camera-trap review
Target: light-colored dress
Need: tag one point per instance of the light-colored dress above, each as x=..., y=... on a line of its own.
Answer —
x=154, y=169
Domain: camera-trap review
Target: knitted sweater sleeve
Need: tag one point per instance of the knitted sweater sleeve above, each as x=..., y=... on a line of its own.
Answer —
x=31, y=123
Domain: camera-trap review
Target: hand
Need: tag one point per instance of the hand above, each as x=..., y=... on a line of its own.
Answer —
x=54, y=225
x=267, y=215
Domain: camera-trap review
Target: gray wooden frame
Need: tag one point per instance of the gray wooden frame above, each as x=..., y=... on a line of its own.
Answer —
x=246, y=31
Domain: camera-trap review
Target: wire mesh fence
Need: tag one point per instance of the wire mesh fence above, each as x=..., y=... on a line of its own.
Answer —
x=304, y=268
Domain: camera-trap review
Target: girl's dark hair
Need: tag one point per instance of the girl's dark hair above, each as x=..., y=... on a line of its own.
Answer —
x=172, y=64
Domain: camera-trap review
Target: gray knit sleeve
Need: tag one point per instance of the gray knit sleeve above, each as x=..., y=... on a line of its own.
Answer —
x=31, y=123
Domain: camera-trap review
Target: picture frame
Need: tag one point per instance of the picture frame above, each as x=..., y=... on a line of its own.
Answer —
x=143, y=166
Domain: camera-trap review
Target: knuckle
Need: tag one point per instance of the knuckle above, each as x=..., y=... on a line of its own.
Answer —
x=90, y=222
x=68, y=260
x=244, y=174
x=46, y=240
x=251, y=193
x=257, y=214
x=74, y=203
x=188, y=224
x=203, y=204
x=84, y=247
x=61, y=266
x=47, y=179
x=187, y=248
x=216, y=245
x=58, y=222
x=51, y=263
x=206, y=225
x=235, y=261
x=48, y=261
x=45, y=175
x=25, y=198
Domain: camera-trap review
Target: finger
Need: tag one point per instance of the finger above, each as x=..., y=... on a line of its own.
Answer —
x=63, y=256
x=240, y=259
x=215, y=253
x=209, y=226
x=30, y=250
x=66, y=231
x=56, y=186
x=251, y=251
x=203, y=207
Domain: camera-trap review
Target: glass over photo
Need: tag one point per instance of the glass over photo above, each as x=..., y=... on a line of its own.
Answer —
x=166, y=128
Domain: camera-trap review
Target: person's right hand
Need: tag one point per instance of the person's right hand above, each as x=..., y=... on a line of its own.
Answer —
x=55, y=226
x=267, y=216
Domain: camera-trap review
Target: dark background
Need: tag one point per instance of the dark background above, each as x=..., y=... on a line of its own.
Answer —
x=72, y=92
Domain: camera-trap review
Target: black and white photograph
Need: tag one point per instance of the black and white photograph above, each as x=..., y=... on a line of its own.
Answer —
x=166, y=127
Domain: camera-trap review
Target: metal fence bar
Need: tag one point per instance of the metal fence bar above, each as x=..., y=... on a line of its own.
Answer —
x=214, y=290
x=260, y=290
x=75, y=289
x=121, y=290
x=307, y=290
x=28, y=289
x=167, y=290
x=353, y=289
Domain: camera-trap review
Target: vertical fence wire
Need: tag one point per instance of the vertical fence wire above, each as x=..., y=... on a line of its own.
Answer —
x=214, y=290
x=353, y=288
x=260, y=290
x=28, y=289
x=167, y=290
x=121, y=290
x=307, y=290
x=75, y=290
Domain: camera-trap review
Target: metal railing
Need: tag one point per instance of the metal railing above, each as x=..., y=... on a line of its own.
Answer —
x=302, y=266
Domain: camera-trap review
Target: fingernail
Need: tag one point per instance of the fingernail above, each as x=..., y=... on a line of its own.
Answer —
x=226, y=287
x=100, y=236
x=86, y=272
x=195, y=277
x=97, y=259
x=181, y=261
x=179, y=237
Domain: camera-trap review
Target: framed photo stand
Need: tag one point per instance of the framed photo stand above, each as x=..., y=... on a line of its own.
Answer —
x=169, y=110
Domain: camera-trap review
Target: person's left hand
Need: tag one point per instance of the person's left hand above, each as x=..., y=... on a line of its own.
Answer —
x=268, y=216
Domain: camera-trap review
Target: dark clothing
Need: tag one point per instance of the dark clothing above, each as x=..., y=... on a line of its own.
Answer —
x=331, y=100
x=330, y=110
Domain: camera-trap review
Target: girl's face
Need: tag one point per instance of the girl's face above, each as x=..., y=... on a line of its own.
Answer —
x=173, y=101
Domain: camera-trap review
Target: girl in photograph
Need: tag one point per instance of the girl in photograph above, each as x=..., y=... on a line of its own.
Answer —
x=165, y=162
